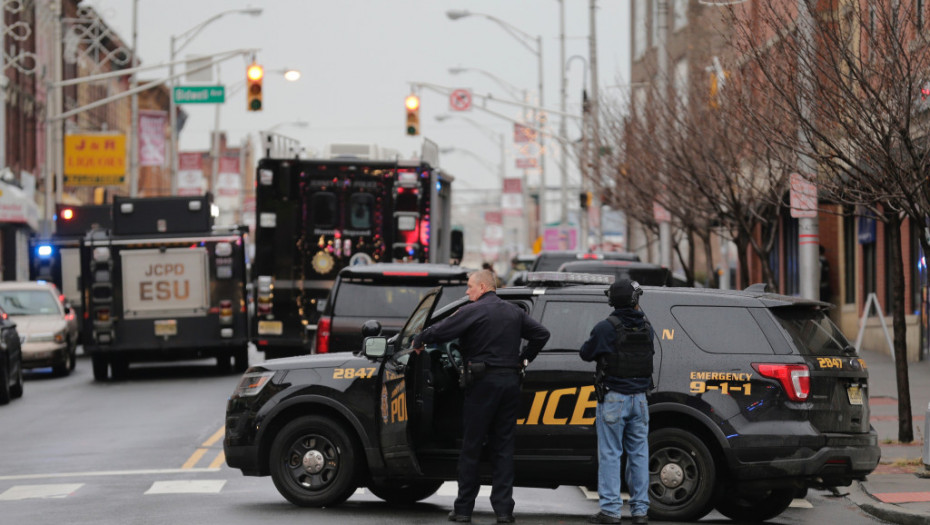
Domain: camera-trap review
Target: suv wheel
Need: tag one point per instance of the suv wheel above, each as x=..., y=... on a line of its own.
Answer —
x=314, y=462
x=16, y=391
x=66, y=365
x=4, y=385
x=682, y=476
x=757, y=506
x=404, y=493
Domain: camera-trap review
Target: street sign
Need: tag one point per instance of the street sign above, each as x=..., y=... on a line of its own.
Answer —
x=803, y=197
x=460, y=100
x=199, y=94
x=94, y=159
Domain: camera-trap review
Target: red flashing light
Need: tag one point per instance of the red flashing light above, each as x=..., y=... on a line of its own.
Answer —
x=67, y=214
x=322, y=335
x=406, y=274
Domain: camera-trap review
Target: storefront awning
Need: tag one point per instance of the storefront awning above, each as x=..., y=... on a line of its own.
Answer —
x=17, y=207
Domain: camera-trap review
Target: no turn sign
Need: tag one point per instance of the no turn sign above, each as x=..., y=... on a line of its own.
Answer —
x=460, y=100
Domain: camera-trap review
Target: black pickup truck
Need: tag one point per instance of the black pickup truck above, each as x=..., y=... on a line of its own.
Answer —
x=385, y=292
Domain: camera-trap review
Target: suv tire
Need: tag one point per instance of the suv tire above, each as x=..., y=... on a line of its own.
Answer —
x=682, y=476
x=755, y=507
x=404, y=493
x=314, y=462
x=16, y=391
x=4, y=385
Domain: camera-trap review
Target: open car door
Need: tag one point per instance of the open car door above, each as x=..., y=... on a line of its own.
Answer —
x=403, y=403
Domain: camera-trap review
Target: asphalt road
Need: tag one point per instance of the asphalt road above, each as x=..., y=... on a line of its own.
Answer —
x=149, y=451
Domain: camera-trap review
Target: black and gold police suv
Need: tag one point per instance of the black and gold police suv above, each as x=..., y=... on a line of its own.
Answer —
x=758, y=396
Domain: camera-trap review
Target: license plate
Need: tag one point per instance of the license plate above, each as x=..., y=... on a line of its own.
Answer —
x=855, y=395
x=166, y=327
x=270, y=327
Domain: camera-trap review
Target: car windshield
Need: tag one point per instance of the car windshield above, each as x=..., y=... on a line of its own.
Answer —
x=29, y=302
x=812, y=331
x=372, y=300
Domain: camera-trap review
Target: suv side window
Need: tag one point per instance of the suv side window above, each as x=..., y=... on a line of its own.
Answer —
x=742, y=334
x=570, y=322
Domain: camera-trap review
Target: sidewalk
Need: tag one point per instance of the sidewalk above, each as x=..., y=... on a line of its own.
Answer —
x=896, y=491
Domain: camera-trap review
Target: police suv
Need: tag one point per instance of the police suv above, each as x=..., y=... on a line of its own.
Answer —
x=758, y=396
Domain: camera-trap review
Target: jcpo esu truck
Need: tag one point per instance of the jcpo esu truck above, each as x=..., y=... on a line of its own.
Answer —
x=317, y=216
x=163, y=284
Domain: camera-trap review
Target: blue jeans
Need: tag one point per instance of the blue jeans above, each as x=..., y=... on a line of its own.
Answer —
x=623, y=425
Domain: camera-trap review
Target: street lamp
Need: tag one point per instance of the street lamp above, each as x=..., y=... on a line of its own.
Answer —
x=296, y=123
x=525, y=40
x=179, y=42
x=514, y=92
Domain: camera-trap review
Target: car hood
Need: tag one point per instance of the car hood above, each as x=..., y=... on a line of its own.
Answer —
x=38, y=324
x=309, y=361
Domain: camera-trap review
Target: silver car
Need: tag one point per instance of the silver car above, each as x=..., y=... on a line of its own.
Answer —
x=47, y=326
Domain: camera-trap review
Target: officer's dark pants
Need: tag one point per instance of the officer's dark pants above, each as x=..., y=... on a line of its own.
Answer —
x=490, y=410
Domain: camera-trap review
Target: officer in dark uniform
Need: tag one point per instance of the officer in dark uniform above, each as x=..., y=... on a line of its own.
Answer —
x=490, y=331
x=622, y=345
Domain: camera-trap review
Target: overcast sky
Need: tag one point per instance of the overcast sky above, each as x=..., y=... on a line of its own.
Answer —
x=358, y=58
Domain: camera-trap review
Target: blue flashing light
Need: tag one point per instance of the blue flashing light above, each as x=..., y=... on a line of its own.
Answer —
x=731, y=436
x=438, y=185
x=44, y=250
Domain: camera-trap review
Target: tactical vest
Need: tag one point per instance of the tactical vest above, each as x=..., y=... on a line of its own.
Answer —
x=633, y=351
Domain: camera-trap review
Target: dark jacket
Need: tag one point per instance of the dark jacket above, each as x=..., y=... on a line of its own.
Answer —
x=489, y=330
x=602, y=340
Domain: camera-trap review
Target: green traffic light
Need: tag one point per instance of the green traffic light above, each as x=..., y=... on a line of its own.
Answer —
x=411, y=130
x=255, y=105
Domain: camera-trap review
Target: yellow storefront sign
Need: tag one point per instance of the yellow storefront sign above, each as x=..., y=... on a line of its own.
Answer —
x=95, y=160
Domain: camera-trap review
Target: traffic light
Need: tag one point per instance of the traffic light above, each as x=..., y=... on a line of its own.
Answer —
x=585, y=199
x=254, y=75
x=413, y=114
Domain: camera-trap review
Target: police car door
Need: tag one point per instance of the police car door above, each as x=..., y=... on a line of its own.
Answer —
x=405, y=403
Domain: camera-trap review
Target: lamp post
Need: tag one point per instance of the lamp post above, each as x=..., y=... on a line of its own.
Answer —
x=179, y=42
x=296, y=123
x=525, y=40
x=514, y=92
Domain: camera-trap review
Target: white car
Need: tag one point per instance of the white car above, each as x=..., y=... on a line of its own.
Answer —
x=47, y=327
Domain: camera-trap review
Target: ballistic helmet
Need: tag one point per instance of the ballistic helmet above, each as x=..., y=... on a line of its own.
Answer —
x=624, y=292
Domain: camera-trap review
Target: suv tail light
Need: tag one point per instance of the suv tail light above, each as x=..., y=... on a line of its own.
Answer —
x=322, y=335
x=226, y=311
x=795, y=379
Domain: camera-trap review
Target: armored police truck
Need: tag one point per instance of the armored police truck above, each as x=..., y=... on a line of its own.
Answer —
x=163, y=284
x=318, y=216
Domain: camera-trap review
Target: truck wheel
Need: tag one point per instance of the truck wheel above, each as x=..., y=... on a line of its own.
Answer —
x=223, y=364
x=241, y=357
x=404, y=493
x=101, y=368
x=4, y=385
x=314, y=462
x=756, y=506
x=682, y=476
x=73, y=355
x=16, y=391
x=120, y=369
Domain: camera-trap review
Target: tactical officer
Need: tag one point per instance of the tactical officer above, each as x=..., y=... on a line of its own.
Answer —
x=622, y=345
x=490, y=331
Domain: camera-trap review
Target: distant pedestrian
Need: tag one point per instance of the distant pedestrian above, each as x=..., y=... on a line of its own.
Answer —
x=490, y=331
x=623, y=347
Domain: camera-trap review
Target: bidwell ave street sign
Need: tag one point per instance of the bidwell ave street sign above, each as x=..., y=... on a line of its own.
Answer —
x=199, y=94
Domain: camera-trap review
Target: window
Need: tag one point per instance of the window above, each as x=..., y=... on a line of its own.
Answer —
x=655, y=22
x=375, y=301
x=570, y=323
x=681, y=86
x=918, y=268
x=791, y=285
x=849, y=256
x=868, y=270
x=639, y=103
x=722, y=330
x=812, y=332
x=888, y=246
x=681, y=14
x=323, y=209
x=361, y=206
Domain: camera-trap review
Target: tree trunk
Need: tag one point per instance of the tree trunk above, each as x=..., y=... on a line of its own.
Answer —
x=709, y=254
x=905, y=423
x=742, y=253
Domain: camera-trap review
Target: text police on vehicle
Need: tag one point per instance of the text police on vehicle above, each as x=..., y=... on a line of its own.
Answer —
x=757, y=396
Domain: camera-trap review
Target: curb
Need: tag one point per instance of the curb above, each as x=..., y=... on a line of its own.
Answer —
x=884, y=511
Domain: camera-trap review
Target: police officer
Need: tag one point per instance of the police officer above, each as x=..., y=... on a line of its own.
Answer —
x=622, y=345
x=490, y=331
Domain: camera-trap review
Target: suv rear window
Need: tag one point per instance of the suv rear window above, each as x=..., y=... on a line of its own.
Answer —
x=376, y=300
x=812, y=331
x=722, y=330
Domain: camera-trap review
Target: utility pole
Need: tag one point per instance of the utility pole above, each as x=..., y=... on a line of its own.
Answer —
x=808, y=227
x=665, y=229
x=563, y=160
x=134, y=108
x=594, y=115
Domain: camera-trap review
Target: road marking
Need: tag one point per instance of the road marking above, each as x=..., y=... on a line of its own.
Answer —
x=195, y=486
x=58, y=490
x=451, y=488
x=195, y=457
x=106, y=473
x=220, y=459
x=218, y=435
x=801, y=503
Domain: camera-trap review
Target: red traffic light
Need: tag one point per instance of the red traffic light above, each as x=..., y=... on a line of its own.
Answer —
x=254, y=75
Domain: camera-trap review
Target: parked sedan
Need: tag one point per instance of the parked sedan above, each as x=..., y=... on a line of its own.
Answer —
x=11, y=360
x=46, y=325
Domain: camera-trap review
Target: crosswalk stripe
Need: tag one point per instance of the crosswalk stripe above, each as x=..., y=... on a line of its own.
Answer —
x=57, y=490
x=142, y=472
x=189, y=486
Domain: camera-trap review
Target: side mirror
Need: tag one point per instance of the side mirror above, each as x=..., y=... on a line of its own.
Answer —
x=375, y=347
x=371, y=328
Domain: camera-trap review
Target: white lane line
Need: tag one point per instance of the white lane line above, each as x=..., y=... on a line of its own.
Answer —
x=107, y=473
x=58, y=490
x=799, y=503
x=188, y=486
x=451, y=488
